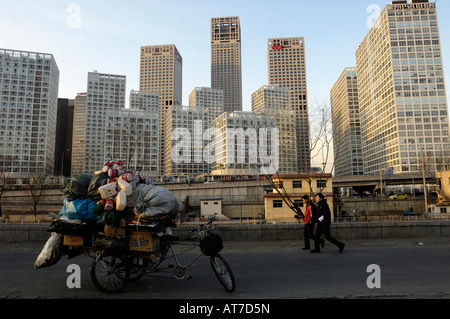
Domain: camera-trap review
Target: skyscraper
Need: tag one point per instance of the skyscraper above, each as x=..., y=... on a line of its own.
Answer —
x=286, y=57
x=28, y=107
x=402, y=97
x=346, y=124
x=226, y=70
x=161, y=71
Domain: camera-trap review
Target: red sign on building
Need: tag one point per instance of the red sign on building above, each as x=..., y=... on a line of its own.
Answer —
x=277, y=47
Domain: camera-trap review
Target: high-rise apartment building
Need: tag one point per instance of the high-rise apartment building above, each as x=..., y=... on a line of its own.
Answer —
x=275, y=101
x=226, y=69
x=346, y=124
x=402, y=97
x=161, y=71
x=184, y=144
x=133, y=134
x=145, y=101
x=28, y=108
x=246, y=144
x=286, y=58
x=105, y=92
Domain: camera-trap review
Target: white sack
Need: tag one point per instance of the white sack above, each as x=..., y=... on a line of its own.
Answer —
x=51, y=253
x=154, y=201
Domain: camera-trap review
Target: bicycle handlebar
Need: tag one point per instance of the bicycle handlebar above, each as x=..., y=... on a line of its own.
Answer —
x=200, y=227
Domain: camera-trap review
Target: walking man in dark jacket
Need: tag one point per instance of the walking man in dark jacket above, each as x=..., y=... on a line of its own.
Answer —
x=323, y=225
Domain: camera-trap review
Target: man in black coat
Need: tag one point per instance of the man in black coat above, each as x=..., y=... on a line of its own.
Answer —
x=323, y=219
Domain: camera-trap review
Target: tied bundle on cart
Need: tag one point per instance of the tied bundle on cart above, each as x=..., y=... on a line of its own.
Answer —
x=97, y=208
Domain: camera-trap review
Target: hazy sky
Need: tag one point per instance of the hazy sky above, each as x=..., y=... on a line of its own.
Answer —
x=107, y=35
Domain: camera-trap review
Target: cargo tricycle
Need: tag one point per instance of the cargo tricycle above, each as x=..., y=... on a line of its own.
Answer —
x=140, y=248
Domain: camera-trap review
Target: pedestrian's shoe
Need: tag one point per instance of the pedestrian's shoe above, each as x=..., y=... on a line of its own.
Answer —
x=341, y=247
x=306, y=248
x=314, y=251
x=322, y=243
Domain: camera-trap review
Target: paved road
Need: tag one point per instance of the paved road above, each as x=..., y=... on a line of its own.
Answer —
x=278, y=270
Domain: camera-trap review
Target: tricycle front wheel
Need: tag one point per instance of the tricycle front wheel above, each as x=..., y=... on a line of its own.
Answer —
x=223, y=272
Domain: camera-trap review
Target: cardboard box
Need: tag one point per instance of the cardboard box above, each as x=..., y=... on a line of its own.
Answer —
x=114, y=231
x=143, y=241
x=70, y=240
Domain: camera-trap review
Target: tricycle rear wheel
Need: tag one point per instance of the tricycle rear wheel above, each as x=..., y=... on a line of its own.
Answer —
x=110, y=273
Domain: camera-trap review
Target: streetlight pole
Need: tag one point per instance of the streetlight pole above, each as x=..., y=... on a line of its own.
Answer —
x=62, y=166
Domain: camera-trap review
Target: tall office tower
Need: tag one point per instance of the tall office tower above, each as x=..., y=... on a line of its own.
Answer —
x=275, y=101
x=105, y=92
x=161, y=72
x=286, y=57
x=226, y=69
x=346, y=125
x=208, y=99
x=79, y=133
x=402, y=98
x=28, y=108
x=64, y=131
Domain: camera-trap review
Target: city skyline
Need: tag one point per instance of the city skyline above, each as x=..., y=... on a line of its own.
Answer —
x=107, y=36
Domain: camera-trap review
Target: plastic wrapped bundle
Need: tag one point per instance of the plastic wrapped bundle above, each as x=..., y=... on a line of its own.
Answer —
x=151, y=201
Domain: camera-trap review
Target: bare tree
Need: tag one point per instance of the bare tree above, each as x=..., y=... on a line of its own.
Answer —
x=323, y=151
x=4, y=176
x=36, y=184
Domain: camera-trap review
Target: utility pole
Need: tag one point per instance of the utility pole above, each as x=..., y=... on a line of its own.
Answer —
x=424, y=184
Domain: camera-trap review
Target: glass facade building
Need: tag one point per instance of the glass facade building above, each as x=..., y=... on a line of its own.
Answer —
x=346, y=125
x=402, y=97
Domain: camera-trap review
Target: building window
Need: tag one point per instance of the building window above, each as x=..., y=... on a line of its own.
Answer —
x=297, y=184
x=298, y=203
x=278, y=184
x=277, y=204
x=443, y=210
x=321, y=183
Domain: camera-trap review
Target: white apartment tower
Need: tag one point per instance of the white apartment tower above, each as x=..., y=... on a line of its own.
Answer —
x=275, y=101
x=187, y=125
x=28, y=108
x=105, y=93
x=402, y=97
x=286, y=59
x=133, y=134
x=207, y=98
x=346, y=124
x=246, y=142
x=226, y=68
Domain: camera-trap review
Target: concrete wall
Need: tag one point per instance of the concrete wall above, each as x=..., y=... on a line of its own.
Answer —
x=271, y=232
x=383, y=206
